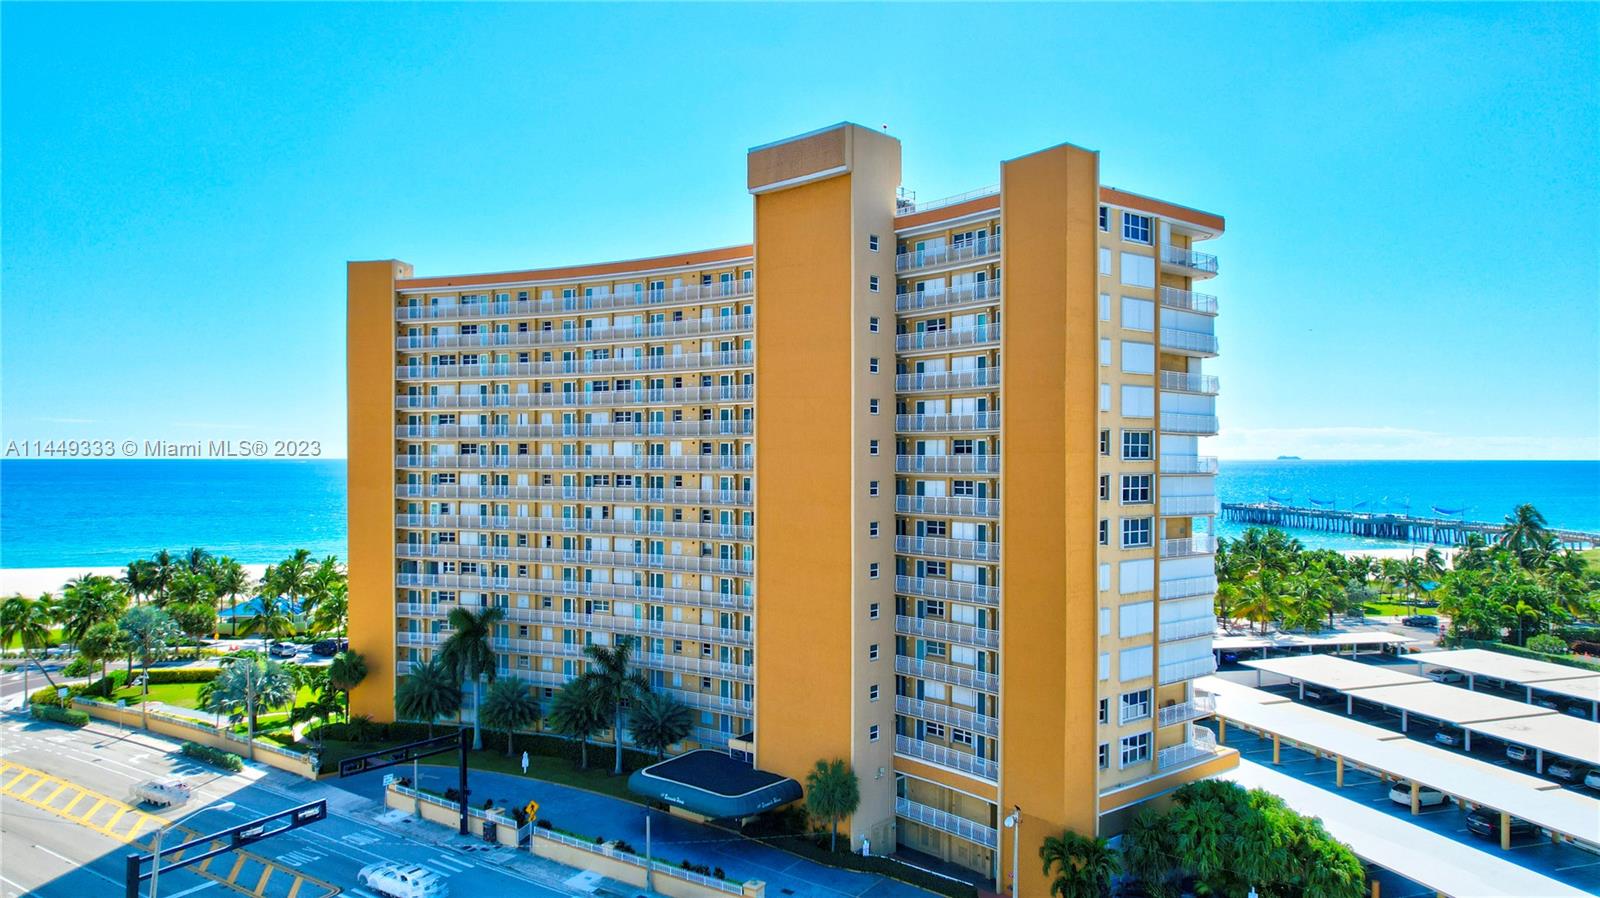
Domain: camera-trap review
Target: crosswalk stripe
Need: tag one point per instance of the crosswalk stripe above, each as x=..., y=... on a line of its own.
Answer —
x=455, y=865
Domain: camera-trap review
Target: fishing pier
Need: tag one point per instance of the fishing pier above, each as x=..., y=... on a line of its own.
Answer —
x=1399, y=527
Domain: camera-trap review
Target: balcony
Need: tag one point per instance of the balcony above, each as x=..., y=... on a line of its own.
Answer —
x=554, y=649
x=481, y=461
x=934, y=588
x=1180, y=422
x=1183, y=382
x=1186, y=587
x=940, y=547
x=741, y=427
x=980, y=421
x=1201, y=746
x=1203, y=544
x=947, y=464
x=1185, y=342
x=1202, y=705
x=950, y=254
x=653, y=561
x=960, y=506
x=1178, y=671
x=948, y=381
x=640, y=364
x=915, y=302
x=653, y=330
x=976, y=335
x=1188, y=628
x=946, y=822
x=614, y=623
x=559, y=305
x=1188, y=262
x=947, y=673
x=1188, y=464
x=1186, y=506
x=960, y=761
x=948, y=715
x=691, y=530
x=563, y=587
x=574, y=493
x=1189, y=301
x=585, y=398
x=945, y=631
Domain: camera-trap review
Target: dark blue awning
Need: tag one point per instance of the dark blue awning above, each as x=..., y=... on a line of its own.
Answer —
x=713, y=784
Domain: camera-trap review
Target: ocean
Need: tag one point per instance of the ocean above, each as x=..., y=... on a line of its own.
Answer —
x=102, y=513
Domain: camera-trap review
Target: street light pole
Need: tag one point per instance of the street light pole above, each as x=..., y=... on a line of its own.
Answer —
x=1013, y=822
x=155, y=860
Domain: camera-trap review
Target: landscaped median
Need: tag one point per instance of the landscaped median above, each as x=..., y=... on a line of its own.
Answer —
x=300, y=763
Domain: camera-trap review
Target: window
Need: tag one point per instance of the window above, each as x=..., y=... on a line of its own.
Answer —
x=872, y=283
x=1136, y=445
x=1105, y=397
x=1135, y=227
x=934, y=730
x=1134, y=664
x=1105, y=351
x=1135, y=619
x=1138, y=402
x=1105, y=261
x=1137, y=357
x=872, y=569
x=872, y=365
x=1105, y=755
x=960, y=737
x=872, y=406
x=872, y=529
x=872, y=652
x=1105, y=219
x=1105, y=710
x=1105, y=442
x=872, y=324
x=872, y=733
x=1135, y=489
x=1138, y=314
x=1105, y=621
x=872, y=693
x=1105, y=307
x=1135, y=532
x=1105, y=486
x=1105, y=665
x=872, y=487
x=872, y=242
x=1104, y=580
x=1135, y=749
x=1105, y=532
x=1138, y=270
x=872, y=447
x=872, y=611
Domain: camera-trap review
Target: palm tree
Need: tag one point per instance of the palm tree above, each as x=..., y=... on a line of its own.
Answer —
x=27, y=622
x=273, y=620
x=427, y=693
x=332, y=612
x=832, y=791
x=148, y=632
x=510, y=707
x=659, y=721
x=468, y=653
x=161, y=571
x=1525, y=529
x=196, y=560
x=1256, y=603
x=345, y=673
x=100, y=643
x=321, y=582
x=615, y=685
x=228, y=578
x=1083, y=865
x=1147, y=851
x=579, y=713
x=248, y=684
x=140, y=578
x=291, y=578
x=89, y=600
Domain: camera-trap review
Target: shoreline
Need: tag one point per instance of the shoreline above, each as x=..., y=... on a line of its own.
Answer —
x=31, y=581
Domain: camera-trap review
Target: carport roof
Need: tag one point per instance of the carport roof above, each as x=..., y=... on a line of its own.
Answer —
x=1586, y=688
x=713, y=784
x=1335, y=673
x=1559, y=733
x=1298, y=641
x=1451, y=704
x=1482, y=662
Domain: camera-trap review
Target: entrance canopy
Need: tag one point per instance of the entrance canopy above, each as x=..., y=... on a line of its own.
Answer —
x=714, y=785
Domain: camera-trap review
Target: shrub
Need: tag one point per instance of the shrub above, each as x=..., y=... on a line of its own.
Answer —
x=1550, y=645
x=184, y=675
x=1583, y=647
x=544, y=823
x=58, y=714
x=46, y=695
x=216, y=757
x=624, y=846
x=106, y=685
x=80, y=667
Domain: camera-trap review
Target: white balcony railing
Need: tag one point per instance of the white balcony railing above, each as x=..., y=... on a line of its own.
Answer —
x=975, y=335
x=970, y=379
x=573, y=493
x=1188, y=341
x=941, y=547
x=641, y=364
x=946, y=822
x=1188, y=505
x=1177, y=671
x=557, y=649
x=945, y=631
x=949, y=254
x=740, y=427
x=1187, y=628
x=962, y=506
x=481, y=461
x=582, y=399
x=1202, y=705
x=909, y=206
x=1201, y=745
x=553, y=587
x=1183, y=422
x=960, y=761
x=917, y=301
x=1185, y=587
x=947, y=423
x=946, y=673
x=651, y=561
x=609, y=333
x=692, y=530
x=948, y=715
x=1188, y=464
x=556, y=305
x=934, y=588
x=1204, y=544
x=1204, y=264
x=1205, y=384
x=1188, y=300
x=607, y=622
x=947, y=464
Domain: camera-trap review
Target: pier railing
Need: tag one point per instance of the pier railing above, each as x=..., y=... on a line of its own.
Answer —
x=1378, y=525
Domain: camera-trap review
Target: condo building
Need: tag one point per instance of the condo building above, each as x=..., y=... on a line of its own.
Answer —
x=915, y=485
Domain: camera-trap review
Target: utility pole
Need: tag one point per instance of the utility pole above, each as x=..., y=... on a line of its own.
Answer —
x=648, y=863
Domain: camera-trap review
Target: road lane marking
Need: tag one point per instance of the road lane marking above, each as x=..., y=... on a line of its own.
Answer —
x=191, y=890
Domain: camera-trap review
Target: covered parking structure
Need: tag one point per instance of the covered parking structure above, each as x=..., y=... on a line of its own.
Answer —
x=1369, y=641
x=1530, y=674
x=1391, y=756
x=1335, y=674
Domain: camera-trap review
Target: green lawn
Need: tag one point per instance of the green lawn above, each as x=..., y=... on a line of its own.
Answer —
x=187, y=695
x=597, y=778
x=53, y=639
x=1396, y=609
x=1592, y=556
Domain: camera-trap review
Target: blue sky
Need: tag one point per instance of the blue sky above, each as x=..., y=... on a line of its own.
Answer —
x=1411, y=270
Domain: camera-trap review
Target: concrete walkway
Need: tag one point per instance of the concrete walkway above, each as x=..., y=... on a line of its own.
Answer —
x=673, y=838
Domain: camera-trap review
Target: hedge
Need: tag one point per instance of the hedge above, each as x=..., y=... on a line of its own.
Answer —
x=46, y=695
x=216, y=757
x=68, y=716
x=184, y=675
x=362, y=732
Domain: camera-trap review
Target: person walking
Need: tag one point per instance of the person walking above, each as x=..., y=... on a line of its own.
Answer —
x=524, y=763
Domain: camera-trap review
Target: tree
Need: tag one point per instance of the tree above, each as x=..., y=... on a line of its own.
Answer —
x=832, y=792
x=140, y=579
x=162, y=570
x=27, y=622
x=468, y=653
x=1083, y=865
x=149, y=632
x=248, y=684
x=1525, y=530
x=614, y=685
x=1148, y=852
x=427, y=693
x=291, y=579
x=86, y=601
x=197, y=620
x=579, y=713
x=659, y=721
x=229, y=579
x=509, y=706
x=273, y=620
x=346, y=673
x=321, y=583
x=101, y=643
x=332, y=613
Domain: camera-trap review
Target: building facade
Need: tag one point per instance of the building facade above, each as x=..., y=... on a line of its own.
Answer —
x=798, y=474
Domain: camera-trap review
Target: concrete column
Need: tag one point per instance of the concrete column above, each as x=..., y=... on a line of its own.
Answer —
x=1466, y=736
x=1302, y=690
x=1594, y=711
x=1258, y=678
x=1538, y=760
x=1222, y=731
x=1375, y=889
x=1276, y=746
x=1416, y=798
x=1505, y=831
x=1338, y=771
x=1404, y=720
x=1472, y=683
x=1529, y=690
x=1349, y=704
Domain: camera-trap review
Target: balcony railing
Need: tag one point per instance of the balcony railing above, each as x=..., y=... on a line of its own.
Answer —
x=948, y=339
x=623, y=591
x=741, y=427
x=556, y=305
x=962, y=506
x=554, y=649
x=946, y=631
x=960, y=761
x=1182, y=422
x=1204, y=384
x=947, y=464
x=1184, y=587
x=971, y=379
x=1177, y=671
x=1205, y=264
x=1188, y=505
x=1204, y=544
x=947, y=423
x=586, y=398
x=691, y=530
x=655, y=561
x=1203, y=704
x=1188, y=300
x=1188, y=341
x=650, y=330
x=946, y=822
x=934, y=588
x=481, y=461
x=1187, y=628
x=941, y=547
x=946, y=673
x=911, y=207
x=1201, y=745
x=948, y=715
x=917, y=301
x=640, y=364
x=608, y=622
x=1188, y=464
x=573, y=493
x=949, y=254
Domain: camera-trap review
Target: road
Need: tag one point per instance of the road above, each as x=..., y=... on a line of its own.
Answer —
x=66, y=819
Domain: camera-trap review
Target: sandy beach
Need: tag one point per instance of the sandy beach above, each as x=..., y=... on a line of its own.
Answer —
x=1401, y=553
x=35, y=580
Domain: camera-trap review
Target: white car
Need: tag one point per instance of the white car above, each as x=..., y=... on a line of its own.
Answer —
x=163, y=793
x=1441, y=675
x=398, y=880
x=1593, y=779
x=1427, y=798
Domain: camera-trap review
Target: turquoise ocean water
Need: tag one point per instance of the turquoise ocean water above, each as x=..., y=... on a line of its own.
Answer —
x=96, y=513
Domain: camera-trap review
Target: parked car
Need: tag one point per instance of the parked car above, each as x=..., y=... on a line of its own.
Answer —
x=1441, y=675
x=1519, y=753
x=1230, y=657
x=1486, y=822
x=1426, y=797
x=283, y=650
x=1420, y=620
x=1577, y=711
x=1565, y=771
x=402, y=880
x=327, y=648
x=1545, y=701
x=1321, y=695
x=1593, y=780
x=1447, y=736
x=163, y=793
